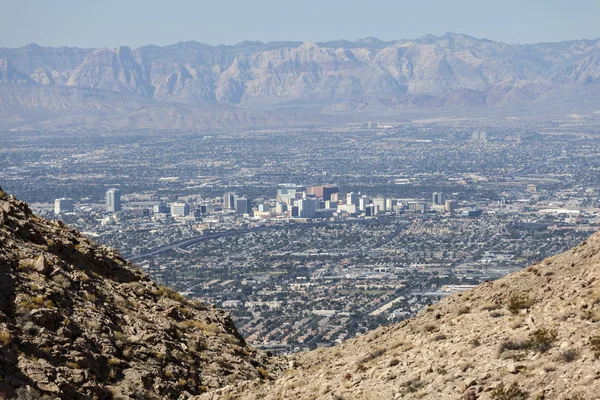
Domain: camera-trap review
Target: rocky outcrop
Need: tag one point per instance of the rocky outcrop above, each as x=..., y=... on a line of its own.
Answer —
x=77, y=321
x=534, y=334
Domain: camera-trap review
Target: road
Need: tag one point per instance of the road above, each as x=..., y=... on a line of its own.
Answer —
x=181, y=245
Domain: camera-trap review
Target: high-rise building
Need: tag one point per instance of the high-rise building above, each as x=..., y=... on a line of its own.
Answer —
x=335, y=197
x=293, y=211
x=113, y=200
x=281, y=208
x=479, y=136
x=380, y=203
x=370, y=125
x=352, y=198
x=229, y=201
x=363, y=202
x=307, y=208
x=417, y=206
x=322, y=192
x=331, y=205
x=371, y=210
x=161, y=208
x=390, y=204
x=451, y=206
x=180, y=210
x=438, y=198
x=63, y=205
x=243, y=205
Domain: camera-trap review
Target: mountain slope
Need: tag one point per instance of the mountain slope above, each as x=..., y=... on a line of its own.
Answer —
x=369, y=76
x=534, y=334
x=79, y=322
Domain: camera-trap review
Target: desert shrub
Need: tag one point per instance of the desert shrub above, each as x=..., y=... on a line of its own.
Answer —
x=463, y=310
x=264, y=374
x=490, y=307
x=26, y=265
x=113, y=362
x=542, y=339
x=519, y=302
x=28, y=393
x=193, y=323
x=30, y=328
x=439, y=338
x=31, y=302
x=569, y=355
x=169, y=293
x=372, y=355
x=5, y=337
x=394, y=362
x=539, y=340
x=413, y=385
x=513, y=392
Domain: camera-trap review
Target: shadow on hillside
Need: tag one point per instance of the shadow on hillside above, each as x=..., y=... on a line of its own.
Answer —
x=7, y=289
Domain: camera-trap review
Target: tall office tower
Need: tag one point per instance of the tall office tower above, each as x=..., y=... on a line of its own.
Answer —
x=281, y=208
x=229, y=201
x=63, y=205
x=160, y=208
x=331, y=204
x=380, y=203
x=352, y=198
x=390, y=204
x=438, y=198
x=363, y=202
x=264, y=207
x=479, y=136
x=335, y=197
x=243, y=205
x=323, y=192
x=451, y=206
x=180, y=210
x=417, y=206
x=113, y=200
x=371, y=210
x=307, y=208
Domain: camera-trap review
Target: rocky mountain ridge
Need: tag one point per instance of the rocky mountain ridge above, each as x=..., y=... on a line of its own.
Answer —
x=77, y=321
x=335, y=78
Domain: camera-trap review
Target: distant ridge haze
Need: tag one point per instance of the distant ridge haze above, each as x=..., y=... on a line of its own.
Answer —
x=57, y=86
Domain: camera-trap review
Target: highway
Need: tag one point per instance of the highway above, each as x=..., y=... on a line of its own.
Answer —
x=181, y=245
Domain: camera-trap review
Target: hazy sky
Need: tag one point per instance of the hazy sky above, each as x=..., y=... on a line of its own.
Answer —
x=110, y=23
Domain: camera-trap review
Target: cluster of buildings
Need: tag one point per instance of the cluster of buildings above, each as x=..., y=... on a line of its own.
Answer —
x=324, y=201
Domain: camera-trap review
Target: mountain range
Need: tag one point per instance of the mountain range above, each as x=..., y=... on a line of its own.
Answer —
x=191, y=84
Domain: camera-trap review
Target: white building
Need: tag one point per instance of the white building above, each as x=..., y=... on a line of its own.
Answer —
x=63, y=205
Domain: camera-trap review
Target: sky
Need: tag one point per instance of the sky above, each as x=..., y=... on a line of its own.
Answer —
x=111, y=23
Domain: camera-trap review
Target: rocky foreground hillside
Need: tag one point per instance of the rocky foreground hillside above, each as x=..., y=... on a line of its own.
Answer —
x=79, y=322
x=534, y=334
